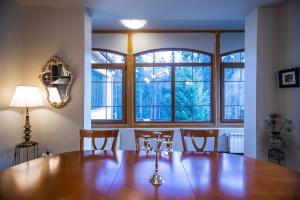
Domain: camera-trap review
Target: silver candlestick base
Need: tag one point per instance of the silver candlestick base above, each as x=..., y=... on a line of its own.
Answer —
x=156, y=179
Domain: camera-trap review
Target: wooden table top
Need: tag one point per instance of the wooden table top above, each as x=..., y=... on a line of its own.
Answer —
x=124, y=175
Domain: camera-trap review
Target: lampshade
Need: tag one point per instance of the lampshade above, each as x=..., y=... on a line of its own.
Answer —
x=26, y=96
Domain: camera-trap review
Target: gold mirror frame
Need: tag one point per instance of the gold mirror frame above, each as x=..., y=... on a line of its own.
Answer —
x=56, y=61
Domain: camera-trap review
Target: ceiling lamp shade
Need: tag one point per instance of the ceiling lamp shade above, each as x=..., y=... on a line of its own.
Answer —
x=26, y=96
x=134, y=23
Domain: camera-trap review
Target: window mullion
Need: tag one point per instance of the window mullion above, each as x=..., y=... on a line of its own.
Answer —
x=173, y=92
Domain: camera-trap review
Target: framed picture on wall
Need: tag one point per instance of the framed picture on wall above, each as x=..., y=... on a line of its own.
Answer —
x=289, y=78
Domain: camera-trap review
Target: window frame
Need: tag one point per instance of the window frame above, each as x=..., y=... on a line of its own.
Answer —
x=123, y=67
x=173, y=65
x=224, y=65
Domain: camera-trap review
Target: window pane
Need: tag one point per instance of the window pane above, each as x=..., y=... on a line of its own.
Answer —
x=202, y=113
x=163, y=57
x=201, y=58
x=162, y=113
x=162, y=74
x=145, y=58
x=144, y=94
x=114, y=75
x=107, y=94
x=183, y=73
x=143, y=73
x=234, y=112
x=201, y=74
x=143, y=113
x=192, y=98
x=183, y=57
x=183, y=113
x=101, y=57
x=234, y=57
x=162, y=94
x=233, y=93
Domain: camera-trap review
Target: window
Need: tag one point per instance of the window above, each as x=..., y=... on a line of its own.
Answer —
x=173, y=86
x=107, y=86
x=232, y=86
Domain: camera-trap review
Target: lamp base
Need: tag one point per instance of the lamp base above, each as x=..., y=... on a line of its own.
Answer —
x=156, y=179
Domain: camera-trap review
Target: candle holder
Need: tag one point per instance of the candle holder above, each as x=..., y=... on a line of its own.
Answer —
x=163, y=146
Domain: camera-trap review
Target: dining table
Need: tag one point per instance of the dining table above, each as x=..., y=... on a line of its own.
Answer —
x=125, y=175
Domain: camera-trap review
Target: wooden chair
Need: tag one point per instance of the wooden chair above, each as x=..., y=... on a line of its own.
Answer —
x=99, y=134
x=150, y=134
x=199, y=133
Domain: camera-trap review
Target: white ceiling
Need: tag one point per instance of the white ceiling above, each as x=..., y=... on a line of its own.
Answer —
x=164, y=14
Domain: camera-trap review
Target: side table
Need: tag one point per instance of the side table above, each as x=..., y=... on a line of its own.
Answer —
x=30, y=149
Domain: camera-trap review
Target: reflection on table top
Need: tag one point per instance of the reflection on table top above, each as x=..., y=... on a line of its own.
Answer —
x=124, y=175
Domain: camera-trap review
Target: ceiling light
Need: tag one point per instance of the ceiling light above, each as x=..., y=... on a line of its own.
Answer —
x=134, y=23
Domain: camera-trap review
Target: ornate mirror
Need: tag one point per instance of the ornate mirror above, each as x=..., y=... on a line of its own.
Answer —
x=57, y=79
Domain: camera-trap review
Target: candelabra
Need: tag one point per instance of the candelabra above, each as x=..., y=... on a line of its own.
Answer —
x=163, y=146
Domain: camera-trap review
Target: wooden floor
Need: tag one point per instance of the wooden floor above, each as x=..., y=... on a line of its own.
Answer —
x=124, y=175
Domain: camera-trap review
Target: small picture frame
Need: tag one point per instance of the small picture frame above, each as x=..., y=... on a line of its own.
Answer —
x=289, y=78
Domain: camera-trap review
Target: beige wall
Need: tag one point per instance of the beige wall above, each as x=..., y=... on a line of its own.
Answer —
x=11, y=120
x=48, y=32
x=33, y=35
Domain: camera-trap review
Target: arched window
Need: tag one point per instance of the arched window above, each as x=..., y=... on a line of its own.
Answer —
x=173, y=85
x=232, y=86
x=108, y=72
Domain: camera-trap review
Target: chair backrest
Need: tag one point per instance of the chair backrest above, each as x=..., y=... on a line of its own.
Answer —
x=150, y=134
x=99, y=134
x=199, y=133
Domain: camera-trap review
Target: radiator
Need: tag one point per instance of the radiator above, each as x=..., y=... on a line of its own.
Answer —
x=236, y=142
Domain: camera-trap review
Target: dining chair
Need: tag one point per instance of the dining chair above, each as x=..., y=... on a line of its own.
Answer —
x=200, y=134
x=94, y=134
x=168, y=134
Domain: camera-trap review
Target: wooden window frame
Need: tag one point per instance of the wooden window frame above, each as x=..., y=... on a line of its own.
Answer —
x=173, y=65
x=222, y=90
x=123, y=67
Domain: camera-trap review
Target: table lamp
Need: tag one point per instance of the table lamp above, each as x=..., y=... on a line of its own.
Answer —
x=25, y=97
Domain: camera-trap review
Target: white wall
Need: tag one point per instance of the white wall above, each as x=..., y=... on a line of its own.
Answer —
x=115, y=42
x=147, y=41
x=250, y=84
x=272, y=43
x=288, y=99
x=11, y=120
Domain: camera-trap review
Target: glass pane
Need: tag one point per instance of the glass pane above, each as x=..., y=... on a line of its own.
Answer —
x=115, y=58
x=98, y=113
x=114, y=75
x=234, y=112
x=183, y=113
x=162, y=93
x=143, y=113
x=162, y=74
x=163, y=57
x=202, y=113
x=234, y=93
x=183, y=57
x=114, y=113
x=98, y=94
x=183, y=73
x=145, y=58
x=234, y=74
x=184, y=95
x=201, y=58
x=143, y=74
x=234, y=57
x=98, y=57
x=201, y=74
x=201, y=91
x=162, y=113
x=144, y=94
x=99, y=75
